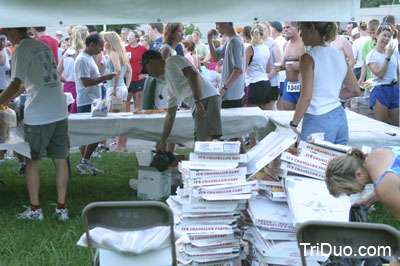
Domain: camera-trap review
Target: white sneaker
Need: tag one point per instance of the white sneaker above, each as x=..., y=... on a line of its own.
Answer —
x=85, y=169
x=95, y=155
x=62, y=214
x=95, y=170
x=29, y=214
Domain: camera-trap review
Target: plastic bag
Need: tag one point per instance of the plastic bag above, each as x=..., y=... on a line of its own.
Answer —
x=162, y=160
x=128, y=242
x=99, y=108
x=8, y=119
x=117, y=104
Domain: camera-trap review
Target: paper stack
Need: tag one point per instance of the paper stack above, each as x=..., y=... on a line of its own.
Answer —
x=272, y=234
x=214, y=192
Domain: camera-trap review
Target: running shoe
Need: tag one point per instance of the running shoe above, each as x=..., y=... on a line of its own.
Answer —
x=85, y=168
x=30, y=214
x=62, y=214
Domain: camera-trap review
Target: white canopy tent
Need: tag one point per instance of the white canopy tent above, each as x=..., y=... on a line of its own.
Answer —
x=21, y=13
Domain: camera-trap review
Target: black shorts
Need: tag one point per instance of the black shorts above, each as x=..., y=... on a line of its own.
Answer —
x=261, y=92
x=85, y=108
x=136, y=86
x=232, y=103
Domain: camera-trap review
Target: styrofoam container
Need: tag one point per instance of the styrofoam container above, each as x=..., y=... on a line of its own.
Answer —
x=153, y=185
x=144, y=157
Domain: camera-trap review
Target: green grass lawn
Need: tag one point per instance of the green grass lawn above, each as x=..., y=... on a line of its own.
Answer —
x=50, y=242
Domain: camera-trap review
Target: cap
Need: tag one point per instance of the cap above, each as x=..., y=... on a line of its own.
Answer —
x=149, y=54
x=363, y=25
x=2, y=36
x=2, y=31
x=58, y=32
x=354, y=32
x=276, y=25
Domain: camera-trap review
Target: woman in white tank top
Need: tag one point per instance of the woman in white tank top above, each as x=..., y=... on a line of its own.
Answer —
x=258, y=87
x=5, y=58
x=323, y=70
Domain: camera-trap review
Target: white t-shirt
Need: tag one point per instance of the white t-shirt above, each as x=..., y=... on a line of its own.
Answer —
x=85, y=67
x=357, y=50
x=330, y=69
x=33, y=63
x=391, y=72
x=281, y=43
x=178, y=85
x=233, y=54
x=69, y=62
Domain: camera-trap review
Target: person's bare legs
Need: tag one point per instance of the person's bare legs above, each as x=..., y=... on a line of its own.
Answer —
x=394, y=116
x=61, y=179
x=32, y=180
x=89, y=149
x=128, y=102
x=381, y=112
x=288, y=105
x=137, y=100
x=394, y=262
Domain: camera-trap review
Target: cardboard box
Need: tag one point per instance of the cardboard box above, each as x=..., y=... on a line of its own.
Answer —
x=152, y=184
x=319, y=150
x=304, y=162
x=200, y=174
x=276, y=218
x=239, y=158
x=217, y=147
x=186, y=166
x=297, y=169
x=317, y=204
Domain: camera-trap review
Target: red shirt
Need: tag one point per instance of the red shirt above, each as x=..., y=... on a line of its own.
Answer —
x=52, y=43
x=135, y=60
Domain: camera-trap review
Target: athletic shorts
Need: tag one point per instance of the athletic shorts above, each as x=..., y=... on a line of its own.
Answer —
x=52, y=138
x=136, y=86
x=210, y=126
x=232, y=103
x=388, y=95
x=84, y=108
x=291, y=94
x=259, y=92
x=333, y=124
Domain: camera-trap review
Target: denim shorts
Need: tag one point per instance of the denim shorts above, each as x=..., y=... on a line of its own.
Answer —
x=388, y=95
x=292, y=97
x=333, y=124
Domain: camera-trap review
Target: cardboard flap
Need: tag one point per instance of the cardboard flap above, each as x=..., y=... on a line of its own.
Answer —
x=267, y=150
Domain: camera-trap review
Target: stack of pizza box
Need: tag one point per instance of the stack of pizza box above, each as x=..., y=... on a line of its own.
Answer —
x=216, y=188
x=274, y=219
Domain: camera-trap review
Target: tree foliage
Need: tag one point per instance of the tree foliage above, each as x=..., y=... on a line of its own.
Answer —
x=375, y=3
x=117, y=28
x=189, y=29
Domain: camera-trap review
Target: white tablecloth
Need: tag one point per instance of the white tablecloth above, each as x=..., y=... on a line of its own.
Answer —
x=362, y=130
x=84, y=129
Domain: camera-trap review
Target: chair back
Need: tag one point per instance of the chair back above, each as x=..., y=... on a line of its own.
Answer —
x=127, y=216
x=347, y=237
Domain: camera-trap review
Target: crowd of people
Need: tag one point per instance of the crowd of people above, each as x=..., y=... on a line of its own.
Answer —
x=306, y=67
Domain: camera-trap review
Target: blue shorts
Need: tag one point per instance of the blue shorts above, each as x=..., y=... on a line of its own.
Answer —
x=292, y=97
x=333, y=124
x=388, y=95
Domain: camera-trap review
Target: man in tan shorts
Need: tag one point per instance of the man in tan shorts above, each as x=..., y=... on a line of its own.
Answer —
x=293, y=49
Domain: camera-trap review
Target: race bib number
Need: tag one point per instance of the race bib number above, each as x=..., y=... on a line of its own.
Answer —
x=293, y=86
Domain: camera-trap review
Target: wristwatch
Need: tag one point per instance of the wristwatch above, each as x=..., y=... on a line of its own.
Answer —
x=224, y=87
x=387, y=58
x=196, y=101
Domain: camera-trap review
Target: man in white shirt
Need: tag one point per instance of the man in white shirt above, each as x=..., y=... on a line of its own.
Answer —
x=45, y=116
x=87, y=80
x=186, y=84
x=357, y=48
